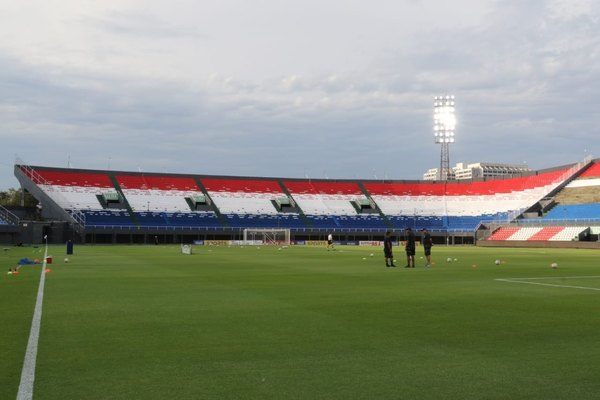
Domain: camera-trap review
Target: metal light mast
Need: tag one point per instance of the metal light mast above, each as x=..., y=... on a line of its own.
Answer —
x=444, y=124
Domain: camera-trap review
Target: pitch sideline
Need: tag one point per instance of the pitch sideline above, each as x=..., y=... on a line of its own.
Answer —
x=28, y=373
x=528, y=281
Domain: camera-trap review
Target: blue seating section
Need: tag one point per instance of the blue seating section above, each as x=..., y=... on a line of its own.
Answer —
x=469, y=223
x=107, y=218
x=350, y=222
x=264, y=221
x=420, y=222
x=112, y=218
x=574, y=212
x=171, y=219
x=370, y=221
x=451, y=223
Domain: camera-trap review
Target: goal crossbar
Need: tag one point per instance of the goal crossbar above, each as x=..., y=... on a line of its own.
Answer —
x=273, y=236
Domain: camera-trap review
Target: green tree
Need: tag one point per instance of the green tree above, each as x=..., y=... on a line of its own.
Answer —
x=12, y=197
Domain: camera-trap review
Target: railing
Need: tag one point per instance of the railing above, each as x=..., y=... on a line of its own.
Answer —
x=38, y=179
x=9, y=217
x=78, y=216
x=575, y=168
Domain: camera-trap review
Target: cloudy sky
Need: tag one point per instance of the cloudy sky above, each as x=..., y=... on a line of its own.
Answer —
x=295, y=88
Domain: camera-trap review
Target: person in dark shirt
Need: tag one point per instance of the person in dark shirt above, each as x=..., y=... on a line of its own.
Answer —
x=410, y=248
x=387, y=250
x=427, y=243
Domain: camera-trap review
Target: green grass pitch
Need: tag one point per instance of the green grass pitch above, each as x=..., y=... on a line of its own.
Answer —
x=129, y=322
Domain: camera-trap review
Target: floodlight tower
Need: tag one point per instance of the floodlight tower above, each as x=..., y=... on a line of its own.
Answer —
x=444, y=124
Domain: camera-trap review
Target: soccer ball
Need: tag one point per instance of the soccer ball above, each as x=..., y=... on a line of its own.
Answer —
x=449, y=259
x=67, y=260
x=497, y=262
x=554, y=265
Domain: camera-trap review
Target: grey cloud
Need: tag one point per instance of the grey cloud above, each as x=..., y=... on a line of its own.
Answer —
x=524, y=82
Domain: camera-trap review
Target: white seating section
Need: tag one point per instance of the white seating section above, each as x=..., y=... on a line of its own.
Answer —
x=568, y=233
x=325, y=198
x=72, y=190
x=481, y=198
x=239, y=196
x=157, y=194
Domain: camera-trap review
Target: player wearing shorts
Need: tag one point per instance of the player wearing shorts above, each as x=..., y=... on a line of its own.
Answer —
x=427, y=243
x=387, y=250
x=410, y=248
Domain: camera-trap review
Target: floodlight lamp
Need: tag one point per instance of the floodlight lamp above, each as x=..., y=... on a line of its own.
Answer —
x=444, y=120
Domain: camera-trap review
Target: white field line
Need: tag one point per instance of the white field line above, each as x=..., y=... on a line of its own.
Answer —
x=28, y=373
x=528, y=281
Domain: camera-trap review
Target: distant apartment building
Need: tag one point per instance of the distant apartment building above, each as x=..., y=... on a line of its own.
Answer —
x=479, y=171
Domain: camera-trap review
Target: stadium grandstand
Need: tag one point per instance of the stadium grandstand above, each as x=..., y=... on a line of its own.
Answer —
x=103, y=206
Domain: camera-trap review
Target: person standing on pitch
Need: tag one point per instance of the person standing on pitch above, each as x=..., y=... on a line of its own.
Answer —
x=410, y=248
x=330, y=242
x=387, y=250
x=427, y=243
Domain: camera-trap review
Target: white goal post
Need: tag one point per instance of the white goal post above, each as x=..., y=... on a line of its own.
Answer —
x=267, y=236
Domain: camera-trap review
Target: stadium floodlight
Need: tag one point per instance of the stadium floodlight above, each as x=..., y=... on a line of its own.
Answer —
x=444, y=127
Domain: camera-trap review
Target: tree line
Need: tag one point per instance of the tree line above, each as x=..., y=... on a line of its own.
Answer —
x=12, y=198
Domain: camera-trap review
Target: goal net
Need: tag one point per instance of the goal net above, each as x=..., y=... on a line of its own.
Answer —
x=266, y=236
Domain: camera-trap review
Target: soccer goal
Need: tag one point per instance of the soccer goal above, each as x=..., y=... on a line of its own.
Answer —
x=266, y=236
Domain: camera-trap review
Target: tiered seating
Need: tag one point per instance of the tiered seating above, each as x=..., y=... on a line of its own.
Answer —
x=157, y=193
x=159, y=200
x=356, y=222
x=525, y=233
x=568, y=233
x=350, y=222
x=464, y=204
x=432, y=223
x=574, y=212
x=503, y=233
x=328, y=205
x=553, y=233
x=325, y=198
x=244, y=196
x=170, y=219
x=546, y=233
x=264, y=221
x=588, y=178
x=593, y=171
x=107, y=218
x=74, y=190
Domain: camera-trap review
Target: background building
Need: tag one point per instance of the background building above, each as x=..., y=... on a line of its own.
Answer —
x=479, y=171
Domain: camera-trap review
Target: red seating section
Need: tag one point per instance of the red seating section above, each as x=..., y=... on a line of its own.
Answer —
x=503, y=233
x=464, y=189
x=241, y=185
x=156, y=182
x=62, y=178
x=592, y=172
x=330, y=188
x=547, y=233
